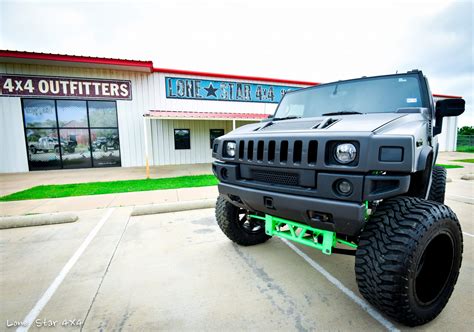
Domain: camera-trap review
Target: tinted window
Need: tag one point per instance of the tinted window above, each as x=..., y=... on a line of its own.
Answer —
x=39, y=113
x=182, y=139
x=72, y=113
x=102, y=114
x=105, y=147
x=75, y=148
x=214, y=133
x=58, y=134
x=369, y=95
x=43, y=149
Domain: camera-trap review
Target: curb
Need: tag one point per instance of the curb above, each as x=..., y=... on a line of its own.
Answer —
x=143, y=210
x=467, y=177
x=37, y=220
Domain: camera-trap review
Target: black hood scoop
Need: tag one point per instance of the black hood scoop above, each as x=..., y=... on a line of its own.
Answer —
x=289, y=125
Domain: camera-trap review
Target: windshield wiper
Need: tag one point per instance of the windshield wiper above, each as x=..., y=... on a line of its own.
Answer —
x=342, y=113
x=286, y=118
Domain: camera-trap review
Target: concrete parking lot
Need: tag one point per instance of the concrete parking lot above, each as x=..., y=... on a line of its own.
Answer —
x=177, y=271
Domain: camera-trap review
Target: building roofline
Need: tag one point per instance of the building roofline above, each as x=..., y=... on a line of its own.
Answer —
x=77, y=59
x=232, y=76
x=445, y=96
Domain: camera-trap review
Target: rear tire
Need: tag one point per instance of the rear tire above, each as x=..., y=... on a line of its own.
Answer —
x=235, y=224
x=438, y=184
x=408, y=259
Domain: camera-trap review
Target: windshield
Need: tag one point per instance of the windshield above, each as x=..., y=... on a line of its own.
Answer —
x=367, y=95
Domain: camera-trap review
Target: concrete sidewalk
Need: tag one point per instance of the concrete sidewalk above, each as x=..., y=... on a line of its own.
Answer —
x=81, y=203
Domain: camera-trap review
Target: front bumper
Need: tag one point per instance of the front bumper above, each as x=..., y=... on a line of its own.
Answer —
x=345, y=217
x=306, y=195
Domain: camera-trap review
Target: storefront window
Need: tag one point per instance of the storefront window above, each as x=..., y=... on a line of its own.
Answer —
x=215, y=133
x=102, y=114
x=75, y=148
x=39, y=113
x=105, y=147
x=72, y=113
x=71, y=133
x=43, y=149
x=182, y=139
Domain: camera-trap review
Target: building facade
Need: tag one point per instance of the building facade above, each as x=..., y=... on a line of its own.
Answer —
x=62, y=111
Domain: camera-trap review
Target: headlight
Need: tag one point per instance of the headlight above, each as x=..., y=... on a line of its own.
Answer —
x=230, y=148
x=345, y=153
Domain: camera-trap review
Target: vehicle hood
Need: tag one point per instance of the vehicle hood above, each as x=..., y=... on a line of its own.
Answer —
x=345, y=123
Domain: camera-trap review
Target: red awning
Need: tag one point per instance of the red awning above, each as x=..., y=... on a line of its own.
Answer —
x=205, y=115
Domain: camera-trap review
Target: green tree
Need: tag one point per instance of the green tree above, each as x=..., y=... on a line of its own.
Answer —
x=466, y=130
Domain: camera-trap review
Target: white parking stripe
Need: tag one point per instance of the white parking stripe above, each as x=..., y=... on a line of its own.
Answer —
x=362, y=303
x=468, y=234
x=30, y=318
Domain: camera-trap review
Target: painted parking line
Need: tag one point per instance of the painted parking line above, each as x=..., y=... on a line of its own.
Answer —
x=30, y=318
x=362, y=303
x=468, y=234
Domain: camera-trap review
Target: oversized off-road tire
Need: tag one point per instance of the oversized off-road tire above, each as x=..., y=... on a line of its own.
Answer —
x=408, y=258
x=438, y=184
x=236, y=225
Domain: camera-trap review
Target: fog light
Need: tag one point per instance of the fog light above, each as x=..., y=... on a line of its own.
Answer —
x=345, y=153
x=230, y=148
x=224, y=173
x=344, y=187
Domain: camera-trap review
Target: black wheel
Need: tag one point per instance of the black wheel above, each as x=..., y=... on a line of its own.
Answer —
x=438, y=184
x=408, y=259
x=33, y=149
x=57, y=149
x=236, y=225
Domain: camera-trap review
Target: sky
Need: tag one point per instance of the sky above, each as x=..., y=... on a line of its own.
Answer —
x=319, y=41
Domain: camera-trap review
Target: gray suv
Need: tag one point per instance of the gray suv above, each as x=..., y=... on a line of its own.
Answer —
x=349, y=167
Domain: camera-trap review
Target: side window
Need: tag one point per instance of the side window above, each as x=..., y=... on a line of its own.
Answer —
x=182, y=139
x=214, y=133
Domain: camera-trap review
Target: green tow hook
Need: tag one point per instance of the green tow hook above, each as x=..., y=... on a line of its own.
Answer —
x=291, y=230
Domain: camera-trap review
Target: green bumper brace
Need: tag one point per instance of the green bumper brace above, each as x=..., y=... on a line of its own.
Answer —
x=301, y=233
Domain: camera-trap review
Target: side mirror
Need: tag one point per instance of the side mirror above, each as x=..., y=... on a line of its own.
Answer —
x=447, y=107
x=270, y=116
x=450, y=107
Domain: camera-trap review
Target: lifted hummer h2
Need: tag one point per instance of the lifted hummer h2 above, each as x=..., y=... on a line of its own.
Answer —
x=349, y=167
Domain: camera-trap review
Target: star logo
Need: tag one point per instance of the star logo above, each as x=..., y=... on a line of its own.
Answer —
x=211, y=91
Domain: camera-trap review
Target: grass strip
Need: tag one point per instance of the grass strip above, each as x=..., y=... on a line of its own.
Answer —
x=450, y=166
x=110, y=187
x=465, y=160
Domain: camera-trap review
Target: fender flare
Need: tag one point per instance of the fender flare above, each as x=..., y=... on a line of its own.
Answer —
x=425, y=154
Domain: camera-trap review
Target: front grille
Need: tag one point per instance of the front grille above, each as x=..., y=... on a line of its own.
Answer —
x=288, y=151
x=273, y=177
